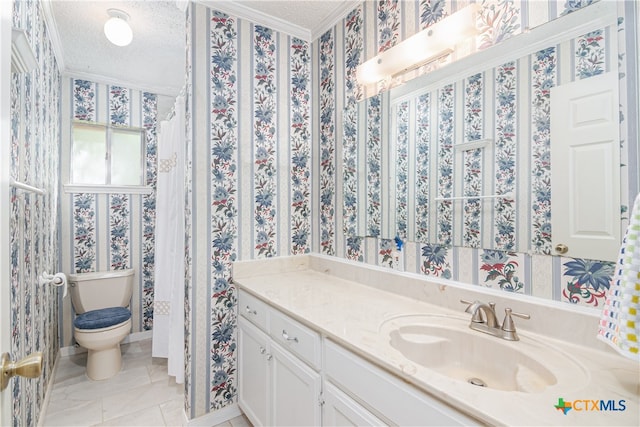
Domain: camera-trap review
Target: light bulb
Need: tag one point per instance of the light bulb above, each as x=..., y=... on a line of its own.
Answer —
x=117, y=29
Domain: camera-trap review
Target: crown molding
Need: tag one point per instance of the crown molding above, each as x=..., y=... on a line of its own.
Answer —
x=99, y=78
x=331, y=20
x=54, y=35
x=240, y=11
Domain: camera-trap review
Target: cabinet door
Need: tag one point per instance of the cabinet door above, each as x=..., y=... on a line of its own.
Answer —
x=340, y=410
x=295, y=390
x=253, y=373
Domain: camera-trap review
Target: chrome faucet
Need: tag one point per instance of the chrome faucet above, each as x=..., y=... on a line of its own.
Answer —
x=483, y=319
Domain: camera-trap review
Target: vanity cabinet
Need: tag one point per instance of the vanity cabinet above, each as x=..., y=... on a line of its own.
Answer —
x=277, y=385
x=288, y=375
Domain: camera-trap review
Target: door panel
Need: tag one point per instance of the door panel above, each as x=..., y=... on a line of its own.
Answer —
x=585, y=168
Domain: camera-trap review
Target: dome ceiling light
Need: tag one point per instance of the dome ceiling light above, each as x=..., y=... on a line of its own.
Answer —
x=117, y=28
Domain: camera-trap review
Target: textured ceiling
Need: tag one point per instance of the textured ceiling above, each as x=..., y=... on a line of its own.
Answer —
x=155, y=60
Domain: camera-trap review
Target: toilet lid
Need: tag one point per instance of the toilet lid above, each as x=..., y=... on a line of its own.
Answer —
x=103, y=318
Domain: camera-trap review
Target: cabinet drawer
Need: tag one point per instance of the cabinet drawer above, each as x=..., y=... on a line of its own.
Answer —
x=295, y=337
x=253, y=309
x=386, y=395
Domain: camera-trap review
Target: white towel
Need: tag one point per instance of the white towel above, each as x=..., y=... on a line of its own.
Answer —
x=620, y=321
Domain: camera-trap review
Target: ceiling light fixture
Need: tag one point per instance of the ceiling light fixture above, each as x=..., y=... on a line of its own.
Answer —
x=117, y=28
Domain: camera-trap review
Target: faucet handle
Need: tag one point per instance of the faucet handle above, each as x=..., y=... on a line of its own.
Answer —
x=508, y=326
x=476, y=317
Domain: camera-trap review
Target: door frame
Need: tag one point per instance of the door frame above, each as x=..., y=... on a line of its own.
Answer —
x=6, y=8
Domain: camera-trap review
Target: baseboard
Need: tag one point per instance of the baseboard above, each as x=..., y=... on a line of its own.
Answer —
x=133, y=337
x=47, y=392
x=217, y=417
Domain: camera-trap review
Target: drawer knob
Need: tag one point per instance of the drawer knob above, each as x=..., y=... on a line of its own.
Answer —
x=263, y=350
x=269, y=357
x=249, y=311
x=286, y=336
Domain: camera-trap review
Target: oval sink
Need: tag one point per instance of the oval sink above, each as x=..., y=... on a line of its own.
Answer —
x=446, y=345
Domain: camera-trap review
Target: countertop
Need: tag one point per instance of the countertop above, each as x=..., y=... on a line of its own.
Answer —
x=354, y=315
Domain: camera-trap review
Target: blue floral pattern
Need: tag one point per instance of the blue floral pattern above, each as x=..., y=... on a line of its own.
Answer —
x=327, y=143
x=543, y=79
x=119, y=231
x=431, y=11
x=149, y=122
x=300, y=147
x=472, y=161
x=573, y=5
x=84, y=103
x=353, y=58
x=402, y=168
x=445, y=163
x=388, y=24
x=435, y=261
x=590, y=54
x=423, y=176
x=264, y=129
x=497, y=21
x=119, y=105
x=84, y=232
x=224, y=181
x=505, y=218
x=374, y=165
x=588, y=281
x=32, y=236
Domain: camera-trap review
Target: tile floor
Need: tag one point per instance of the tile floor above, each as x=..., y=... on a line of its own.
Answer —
x=142, y=394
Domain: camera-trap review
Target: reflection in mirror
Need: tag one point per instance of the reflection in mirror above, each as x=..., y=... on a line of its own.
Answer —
x=470, y=142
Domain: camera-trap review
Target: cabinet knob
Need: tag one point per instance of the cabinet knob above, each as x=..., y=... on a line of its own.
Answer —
x=561, y=248
x=269, y=357
x=263, y=350
x=249, y=311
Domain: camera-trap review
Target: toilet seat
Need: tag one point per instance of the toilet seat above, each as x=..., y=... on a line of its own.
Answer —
x=102, y=319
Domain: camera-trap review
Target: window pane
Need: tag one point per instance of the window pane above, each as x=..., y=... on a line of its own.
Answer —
x=88, y=157
x=126, y=157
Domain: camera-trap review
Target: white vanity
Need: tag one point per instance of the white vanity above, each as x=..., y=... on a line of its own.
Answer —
x=324, y=341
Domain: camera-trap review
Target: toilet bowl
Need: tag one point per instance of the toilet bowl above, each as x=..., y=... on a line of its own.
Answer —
x=103, y=320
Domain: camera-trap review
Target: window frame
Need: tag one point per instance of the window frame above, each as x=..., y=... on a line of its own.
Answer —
x=109, y=129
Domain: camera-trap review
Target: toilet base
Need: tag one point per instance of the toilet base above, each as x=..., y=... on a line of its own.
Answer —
x=104, y=364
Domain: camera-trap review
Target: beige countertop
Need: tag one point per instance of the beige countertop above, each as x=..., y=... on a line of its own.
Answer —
x=312, y=290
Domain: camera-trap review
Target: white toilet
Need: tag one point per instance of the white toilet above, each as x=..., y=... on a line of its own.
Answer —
x=103, y=320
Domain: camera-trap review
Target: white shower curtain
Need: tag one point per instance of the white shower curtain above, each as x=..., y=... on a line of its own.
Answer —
x=168, y=303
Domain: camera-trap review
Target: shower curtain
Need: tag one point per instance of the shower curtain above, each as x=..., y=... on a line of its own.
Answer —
x=168, y=303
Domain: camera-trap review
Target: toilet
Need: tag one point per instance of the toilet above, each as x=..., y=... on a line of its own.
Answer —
x=103, y=320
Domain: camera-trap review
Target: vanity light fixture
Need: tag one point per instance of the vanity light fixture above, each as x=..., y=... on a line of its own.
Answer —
x=117, y=28
x=431, y=44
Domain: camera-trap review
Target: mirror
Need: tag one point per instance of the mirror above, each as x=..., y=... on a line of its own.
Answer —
x=465, y=157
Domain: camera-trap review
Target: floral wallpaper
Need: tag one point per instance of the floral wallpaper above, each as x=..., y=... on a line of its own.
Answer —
x=35, y=143
x=402, y=168
x=373, y=158
x=472, y=185
x=252, y=148
x=353, y=47
x=327, y=143
x=506, y=163
x=518, y=92
x=224, y=228
x=103, y=231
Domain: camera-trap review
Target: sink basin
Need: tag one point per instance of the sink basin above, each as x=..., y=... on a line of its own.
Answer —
x=446, y=346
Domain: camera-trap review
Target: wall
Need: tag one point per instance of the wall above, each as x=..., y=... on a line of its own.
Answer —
x=35, y=142
x=510, y=105
x=109, y=231
x=248, y=171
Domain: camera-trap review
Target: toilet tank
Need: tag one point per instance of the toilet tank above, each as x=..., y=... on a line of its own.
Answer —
x=101, y=289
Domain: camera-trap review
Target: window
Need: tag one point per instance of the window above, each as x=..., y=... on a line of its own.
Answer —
x=107, y=155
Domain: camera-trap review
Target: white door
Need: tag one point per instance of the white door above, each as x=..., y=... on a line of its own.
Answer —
x=585, y=168
x=5, y=114
x=253, y=372
x=295, y=391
